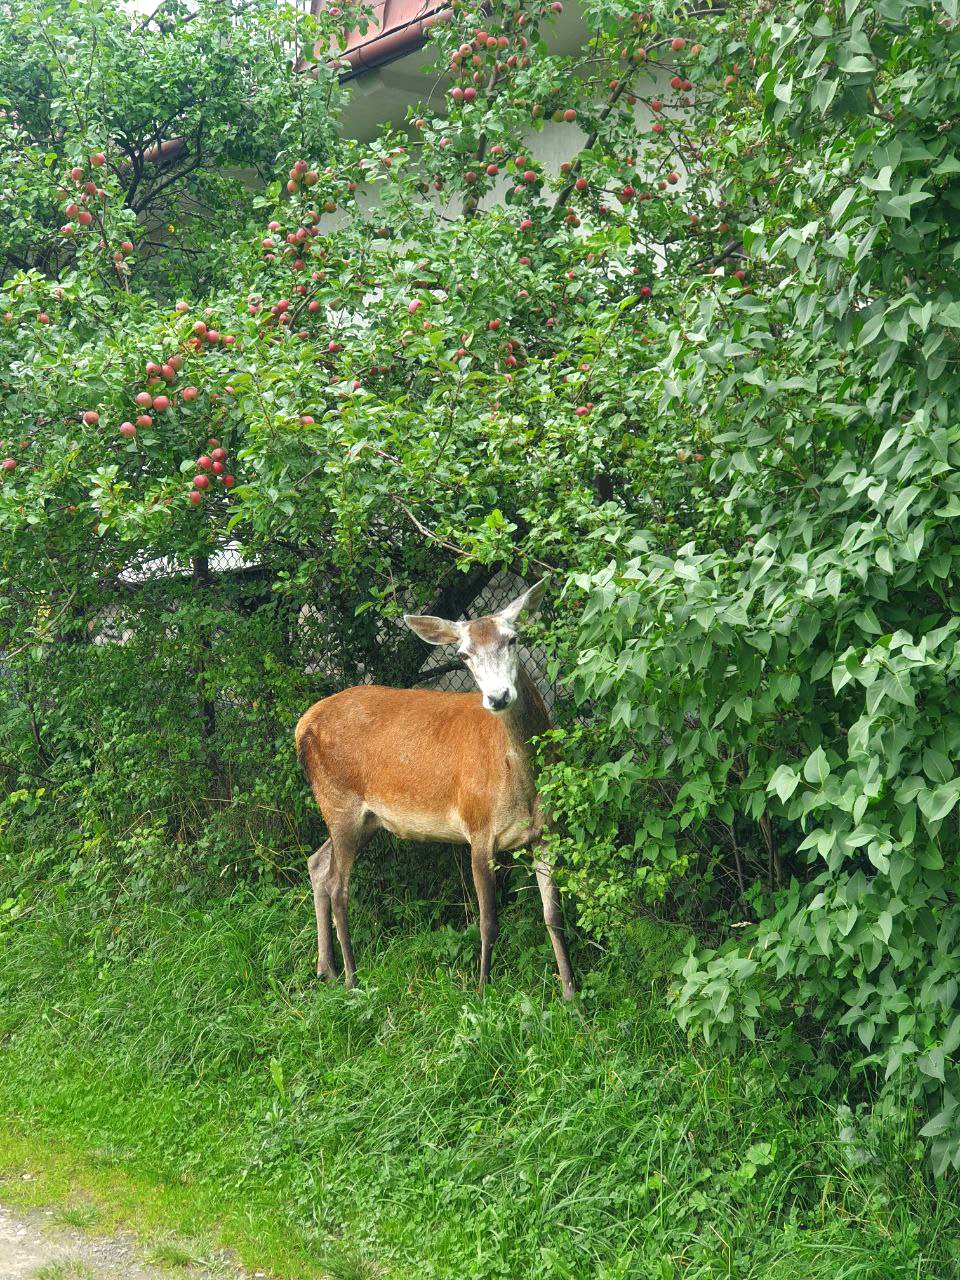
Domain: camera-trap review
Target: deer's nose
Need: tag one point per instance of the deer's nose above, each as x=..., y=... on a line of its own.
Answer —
x=499, y=700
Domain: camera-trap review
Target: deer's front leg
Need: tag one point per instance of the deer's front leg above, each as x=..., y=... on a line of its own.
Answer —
x=484, y=879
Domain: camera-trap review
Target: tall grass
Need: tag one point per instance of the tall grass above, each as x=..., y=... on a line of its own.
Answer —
x=413, y=1128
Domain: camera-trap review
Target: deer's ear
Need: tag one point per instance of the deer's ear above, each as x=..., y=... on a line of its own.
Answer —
x=529, y=602
x=433, y=630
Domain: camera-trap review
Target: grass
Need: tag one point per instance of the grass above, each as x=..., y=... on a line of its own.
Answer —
x=171, y=1253
x=84, y=1217
x=202, y=1086
x=68, y=1269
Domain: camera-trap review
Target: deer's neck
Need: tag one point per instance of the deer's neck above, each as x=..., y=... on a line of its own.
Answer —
x=526, y=719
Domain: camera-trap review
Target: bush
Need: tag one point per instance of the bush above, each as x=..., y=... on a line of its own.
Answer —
x=783, y=676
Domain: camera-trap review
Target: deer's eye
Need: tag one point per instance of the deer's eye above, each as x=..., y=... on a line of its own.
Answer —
x=512, y=640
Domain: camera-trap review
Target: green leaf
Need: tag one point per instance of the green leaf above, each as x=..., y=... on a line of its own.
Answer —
x=932, y=1064
x=884, y=925
x=855, y=64
x=936, y=804
x=816, y=770
x=841, y=203
x=940, y=1123
x=784, y=782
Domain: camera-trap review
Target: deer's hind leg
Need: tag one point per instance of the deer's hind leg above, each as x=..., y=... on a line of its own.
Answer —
x=553, y=919
x=319, y=865
x=348, y=834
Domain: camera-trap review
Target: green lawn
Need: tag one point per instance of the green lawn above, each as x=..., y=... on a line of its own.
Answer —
x=414, y=1129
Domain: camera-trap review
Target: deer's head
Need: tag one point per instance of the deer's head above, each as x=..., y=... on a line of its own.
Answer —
x=488, y=646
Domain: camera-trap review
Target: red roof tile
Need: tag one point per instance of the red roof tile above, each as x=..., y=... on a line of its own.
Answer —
x=398, y=27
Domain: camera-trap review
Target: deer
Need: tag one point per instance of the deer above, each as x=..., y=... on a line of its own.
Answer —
x=430, y=765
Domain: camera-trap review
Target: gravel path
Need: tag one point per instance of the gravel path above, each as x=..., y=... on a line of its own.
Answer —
x=34, y=1247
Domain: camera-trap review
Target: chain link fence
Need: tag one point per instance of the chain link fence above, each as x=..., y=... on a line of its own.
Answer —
x=319, y=640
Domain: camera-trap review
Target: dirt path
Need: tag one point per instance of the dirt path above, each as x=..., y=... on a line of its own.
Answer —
x=34, y=1247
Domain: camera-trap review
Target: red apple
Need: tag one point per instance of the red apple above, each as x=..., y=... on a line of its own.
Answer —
x=91, y=417
x=188, y=394
x=160, y=403
x=127, y=430
x=195, y=497
x=201, y=482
